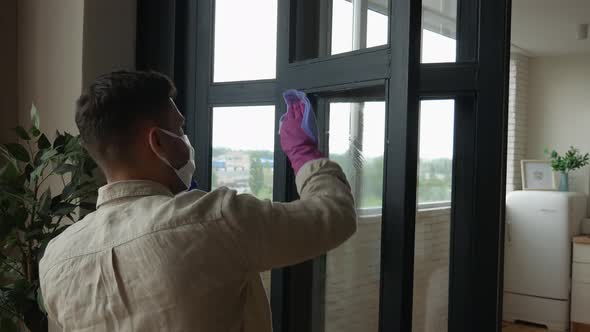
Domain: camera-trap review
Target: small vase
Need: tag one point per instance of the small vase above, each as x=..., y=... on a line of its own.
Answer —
x=564, y=184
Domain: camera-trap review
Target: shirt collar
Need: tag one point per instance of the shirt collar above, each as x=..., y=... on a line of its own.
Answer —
x=125, y=189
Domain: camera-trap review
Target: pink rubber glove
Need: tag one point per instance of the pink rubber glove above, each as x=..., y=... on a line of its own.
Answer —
x=296, y=143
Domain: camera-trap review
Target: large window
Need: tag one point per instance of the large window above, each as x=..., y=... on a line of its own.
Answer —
x=245, y=48
x=243, y=145
x=357, y=144
x=435, y=168
x=356, y=141
x=243, y=157
x=439, y=31
x=407, y=163
x=357, y=136
x=358, y=24
x=433, y=226
x=437, y=47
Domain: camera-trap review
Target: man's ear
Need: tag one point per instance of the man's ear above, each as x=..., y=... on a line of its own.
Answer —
x=154, y=140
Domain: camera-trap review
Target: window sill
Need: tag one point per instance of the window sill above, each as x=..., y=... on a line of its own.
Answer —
x=434, y=206
x=373, y=214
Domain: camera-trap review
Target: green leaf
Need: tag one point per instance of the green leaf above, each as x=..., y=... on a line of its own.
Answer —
x=7, y=156
x=572, y=160
x=59, y=142
x=19, y=217
x=89, y=165
x=16, y=193
x=34, y=234
x=60, y=230
x=65, y=168
x=9, y=172
x=35, y=117
x=72, y=143
x=8, y=325
x=18, y=152
x=36, y=173
x=45, y=203
x=43, y=143
x=68, y=190
x=48, y=155
x=6, y=226
x=22, y=133
x=35, y=132
x=63, y=209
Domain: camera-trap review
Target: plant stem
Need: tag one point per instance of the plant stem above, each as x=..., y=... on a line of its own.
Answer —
x=2, y=307
x=56, y=226
x=30, y=149
x=45, y=178
x=27, y=258
x=14, y=268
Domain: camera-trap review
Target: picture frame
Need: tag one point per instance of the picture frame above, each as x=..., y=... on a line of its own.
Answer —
x=537, y=175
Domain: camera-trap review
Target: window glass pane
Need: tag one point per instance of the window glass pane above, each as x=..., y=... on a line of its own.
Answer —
x=358, y=24
x=377, y=28
x=439, y=31
x=436, y=151
x=243, y=145
x=356, y=142
x=341, y=26
x=245, y=40
x=432, y=241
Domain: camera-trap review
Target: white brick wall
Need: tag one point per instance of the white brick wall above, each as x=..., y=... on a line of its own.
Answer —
x=517, y=119
x=431, y=271
x=352, y=281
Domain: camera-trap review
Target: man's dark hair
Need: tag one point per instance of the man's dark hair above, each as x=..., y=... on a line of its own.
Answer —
x=109, y=110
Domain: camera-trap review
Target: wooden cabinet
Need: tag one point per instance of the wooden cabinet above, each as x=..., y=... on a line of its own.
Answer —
x=580, y=309
x=577, y=327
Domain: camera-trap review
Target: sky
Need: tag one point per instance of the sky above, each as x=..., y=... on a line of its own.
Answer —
x=244, y=128
x=239, y=56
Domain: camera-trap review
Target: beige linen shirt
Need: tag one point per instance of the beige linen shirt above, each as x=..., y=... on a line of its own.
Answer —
x=147, y=260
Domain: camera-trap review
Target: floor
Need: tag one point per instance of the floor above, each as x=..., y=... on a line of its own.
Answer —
x=509, y=327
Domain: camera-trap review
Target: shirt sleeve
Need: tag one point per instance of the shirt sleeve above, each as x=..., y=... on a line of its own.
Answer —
x=274, y=235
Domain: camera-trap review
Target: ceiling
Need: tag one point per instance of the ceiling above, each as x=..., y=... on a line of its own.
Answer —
x=549, y=27
x=539, y=27
x=446, y=8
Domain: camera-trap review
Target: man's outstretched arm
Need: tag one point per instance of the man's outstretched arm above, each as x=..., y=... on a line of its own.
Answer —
x=273, y=235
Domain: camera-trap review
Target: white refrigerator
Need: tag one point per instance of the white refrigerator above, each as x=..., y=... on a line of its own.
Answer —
x=537, y=257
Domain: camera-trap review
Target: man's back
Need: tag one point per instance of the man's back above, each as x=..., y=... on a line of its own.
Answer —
x=150, y=261
x=140, y=264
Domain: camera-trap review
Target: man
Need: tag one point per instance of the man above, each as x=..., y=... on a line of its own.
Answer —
x=156, y=257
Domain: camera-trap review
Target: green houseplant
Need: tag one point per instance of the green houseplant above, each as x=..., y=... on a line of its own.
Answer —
x=572, y=160
x=31, y=214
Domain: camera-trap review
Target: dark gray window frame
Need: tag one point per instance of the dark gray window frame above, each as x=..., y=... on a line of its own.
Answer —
x=182, y=32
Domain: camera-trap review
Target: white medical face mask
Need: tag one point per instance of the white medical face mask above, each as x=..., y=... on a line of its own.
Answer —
x=185, y=173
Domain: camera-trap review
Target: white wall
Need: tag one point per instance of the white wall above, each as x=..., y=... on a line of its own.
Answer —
x=559, y=109
x=64, y=45
x=111, y=46
x=50, y=60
